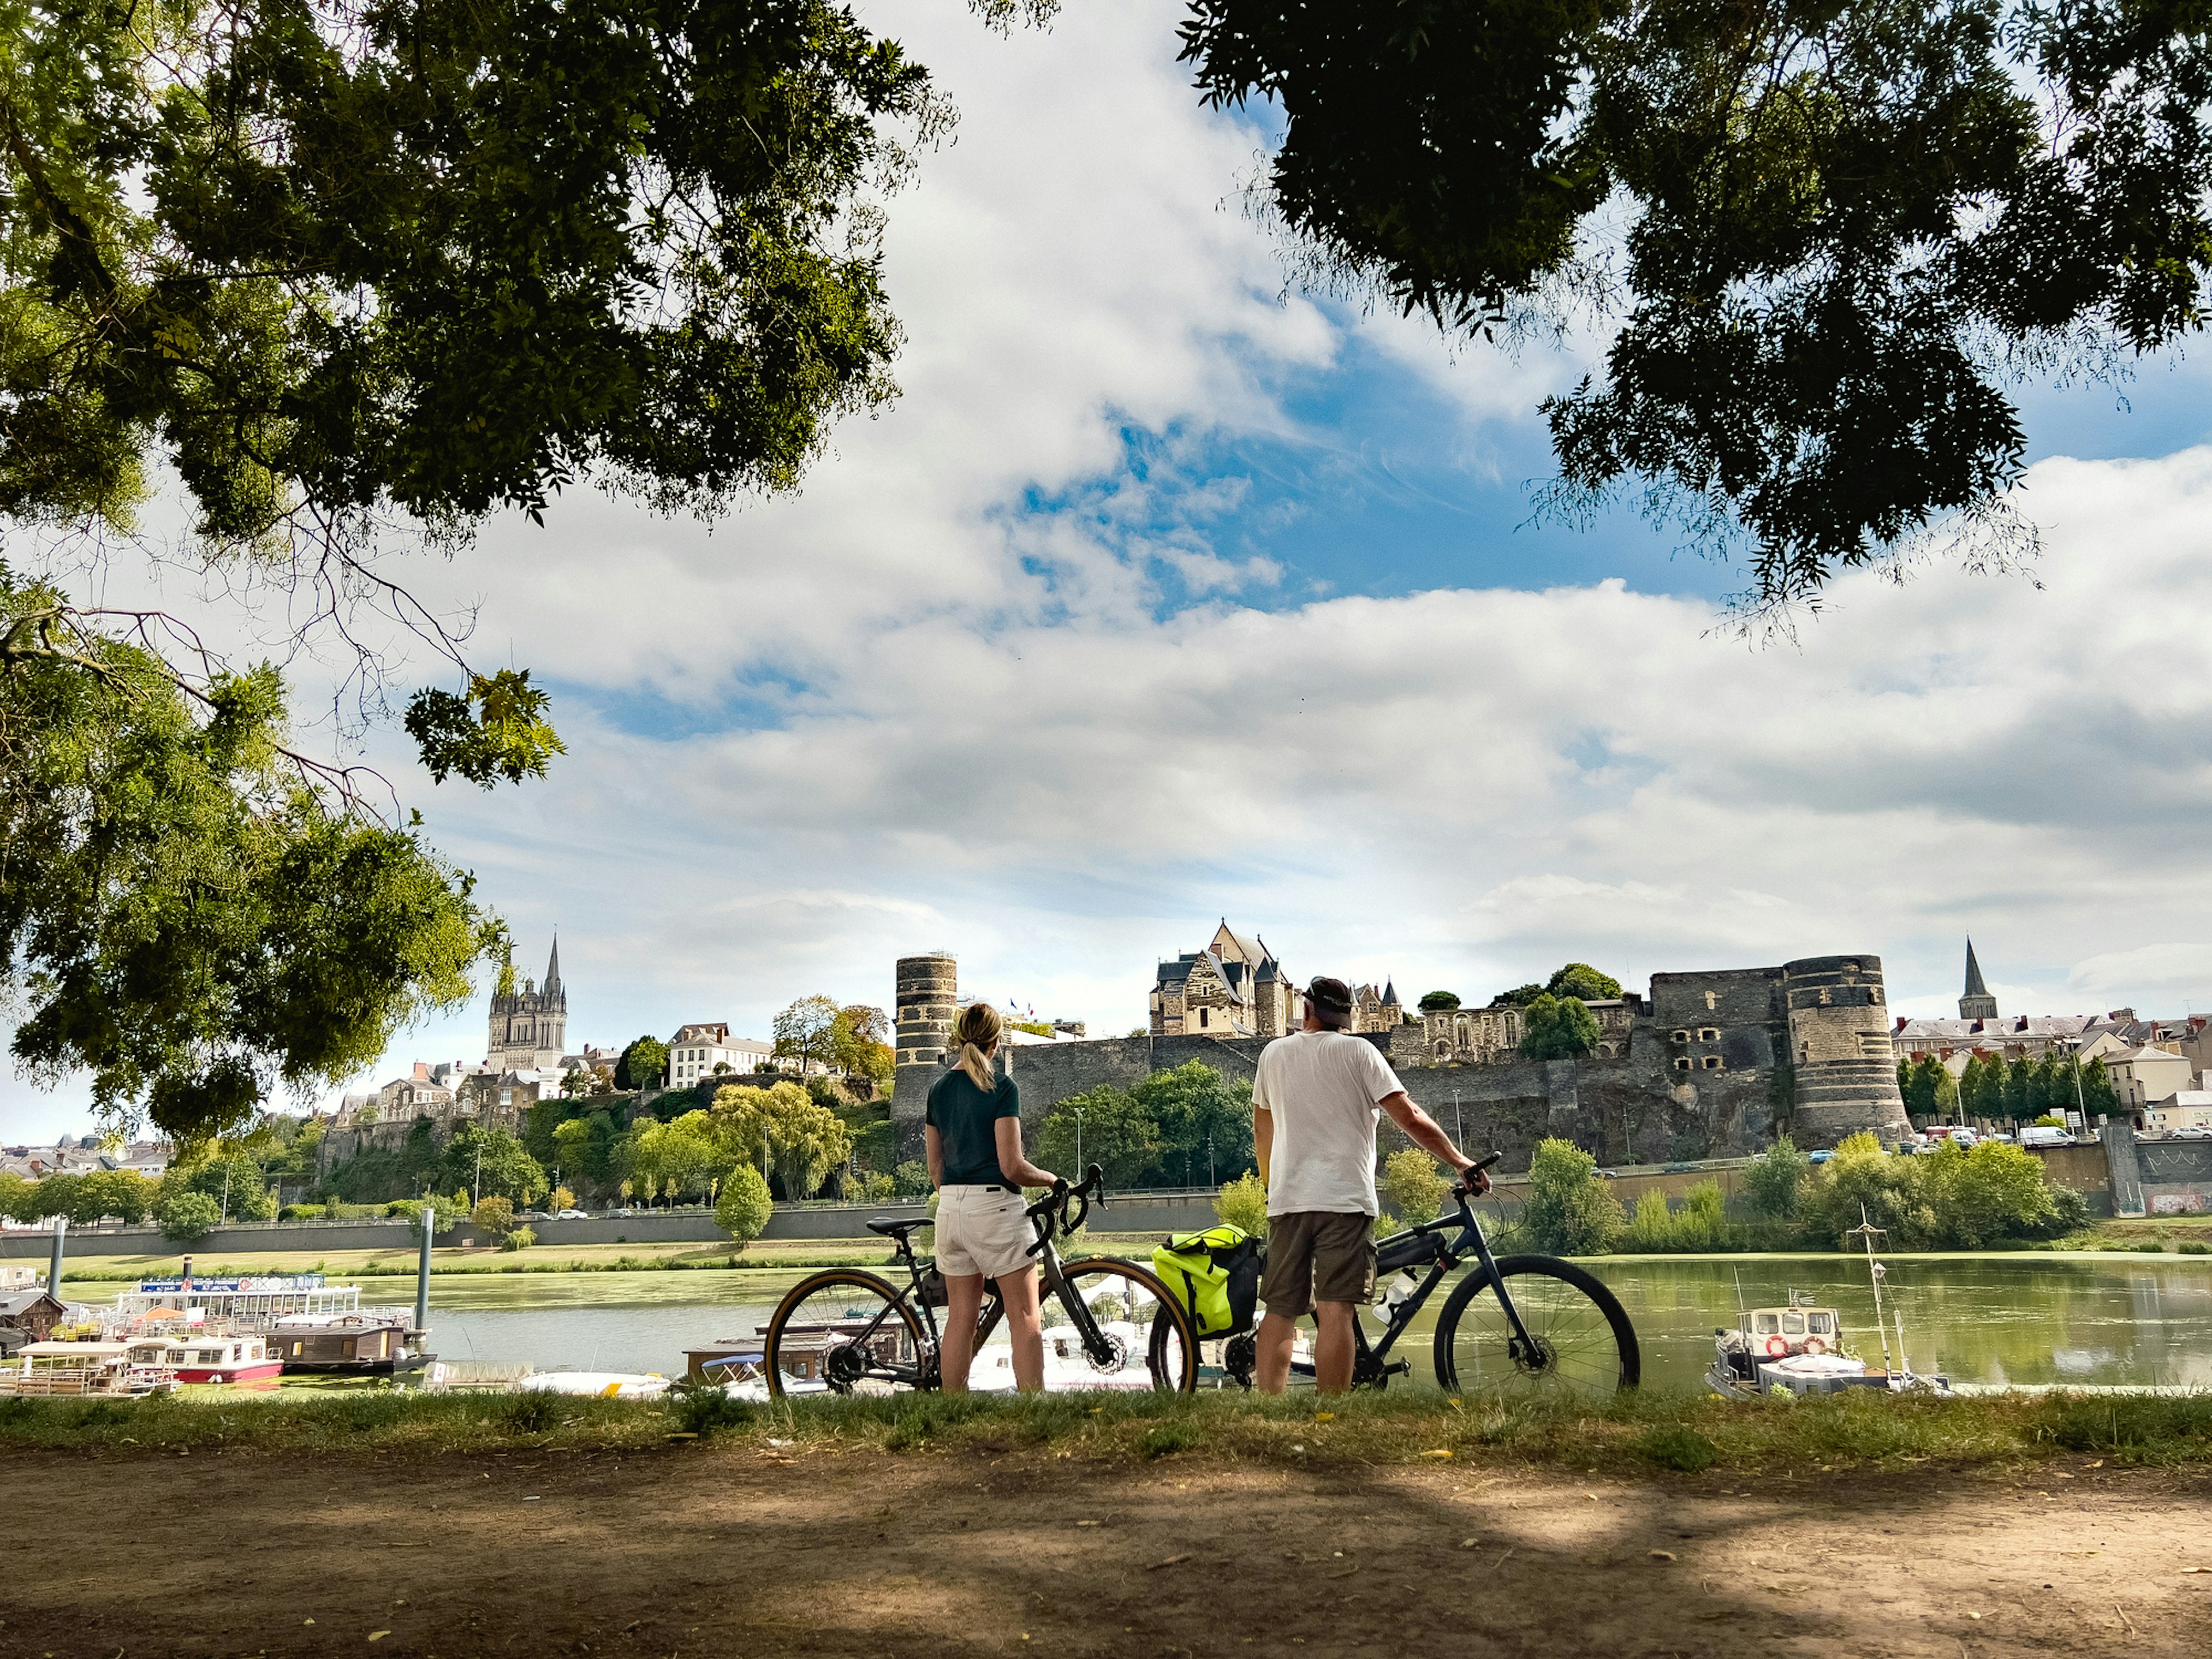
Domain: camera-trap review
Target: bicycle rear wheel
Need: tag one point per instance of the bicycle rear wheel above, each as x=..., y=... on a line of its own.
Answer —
x=1584, y=1345
x=842, y=1331
x=1146, y=1328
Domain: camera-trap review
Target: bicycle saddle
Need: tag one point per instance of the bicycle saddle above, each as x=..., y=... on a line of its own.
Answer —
x=897, y=1227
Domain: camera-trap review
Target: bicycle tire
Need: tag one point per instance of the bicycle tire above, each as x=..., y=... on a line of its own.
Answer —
x=1587, y=1341
x=1171, y=1355
x=821, y=1365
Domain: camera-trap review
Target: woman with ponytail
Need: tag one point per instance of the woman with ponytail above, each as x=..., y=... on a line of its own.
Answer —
x=973, y=1128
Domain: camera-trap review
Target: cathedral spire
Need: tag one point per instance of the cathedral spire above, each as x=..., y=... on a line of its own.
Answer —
x=553, y=966
x=1977, y=1003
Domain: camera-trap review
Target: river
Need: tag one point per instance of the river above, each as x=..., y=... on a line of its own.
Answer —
x=1990, y=1319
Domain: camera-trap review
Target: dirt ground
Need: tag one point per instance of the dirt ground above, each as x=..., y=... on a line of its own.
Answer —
x=706, y=1550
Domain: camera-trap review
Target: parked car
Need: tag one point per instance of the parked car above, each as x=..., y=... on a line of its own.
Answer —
x=1821, y=1156
x=570, y=1215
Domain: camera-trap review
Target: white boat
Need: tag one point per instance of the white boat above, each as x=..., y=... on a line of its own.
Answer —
x=246, y=1303
x=599, y=1385
x=104, y=1371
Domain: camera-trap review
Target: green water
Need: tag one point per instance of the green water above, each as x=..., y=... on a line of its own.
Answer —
x=2104, y=1319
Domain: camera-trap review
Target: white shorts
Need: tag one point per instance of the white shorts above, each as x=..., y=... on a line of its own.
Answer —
x=982, y=1230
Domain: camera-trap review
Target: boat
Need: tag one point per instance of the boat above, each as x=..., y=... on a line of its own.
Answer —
x=732, y=1359
x=247, y=1302
x=203, y=1358
x=596, y=1385
x=94, y=1370
x=372, y=1343
x=1800, y=1349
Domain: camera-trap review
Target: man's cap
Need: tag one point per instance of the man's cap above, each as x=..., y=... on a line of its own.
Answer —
x=1331, y=993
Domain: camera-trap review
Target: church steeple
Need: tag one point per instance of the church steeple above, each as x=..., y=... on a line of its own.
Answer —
x=553, y=968
x=1977, y=1002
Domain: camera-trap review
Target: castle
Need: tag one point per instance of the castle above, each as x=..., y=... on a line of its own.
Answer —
x=1709, y=1064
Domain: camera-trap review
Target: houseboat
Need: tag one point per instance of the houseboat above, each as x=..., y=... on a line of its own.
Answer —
x=370, y=1344
x=103, y=1370
x=200, y=1358
x=251, y=1303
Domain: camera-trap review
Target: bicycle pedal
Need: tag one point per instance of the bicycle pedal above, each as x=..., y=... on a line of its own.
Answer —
x=1399, y=1368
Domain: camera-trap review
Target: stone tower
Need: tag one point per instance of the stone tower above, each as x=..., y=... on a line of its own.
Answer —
x=1977, y=1002
x=529, y=1026
x=928, y=992
x=1840, y=1044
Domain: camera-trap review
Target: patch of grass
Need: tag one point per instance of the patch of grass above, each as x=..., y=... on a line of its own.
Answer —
x=1677, y=1447
x=1627, y=1435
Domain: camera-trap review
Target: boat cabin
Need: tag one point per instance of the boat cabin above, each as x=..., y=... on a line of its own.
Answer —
x=360, y=1343
x=1775, y=1332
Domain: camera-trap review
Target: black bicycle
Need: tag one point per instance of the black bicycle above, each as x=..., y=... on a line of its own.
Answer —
x=1108, y=1324
x=1520, y=1325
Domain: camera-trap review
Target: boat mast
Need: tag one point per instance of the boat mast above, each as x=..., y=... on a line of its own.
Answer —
x=1867, y=1231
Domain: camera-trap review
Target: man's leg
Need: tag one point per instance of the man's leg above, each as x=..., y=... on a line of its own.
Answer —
x=963, y=1304
x=1333, y=1346
x=1274, y=1341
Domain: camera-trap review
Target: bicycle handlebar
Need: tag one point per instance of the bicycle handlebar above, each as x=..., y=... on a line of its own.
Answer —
x=1463, y=1187
x=1049, y=1212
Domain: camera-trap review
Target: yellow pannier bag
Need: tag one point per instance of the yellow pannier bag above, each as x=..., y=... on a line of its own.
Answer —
x=1215, y=1275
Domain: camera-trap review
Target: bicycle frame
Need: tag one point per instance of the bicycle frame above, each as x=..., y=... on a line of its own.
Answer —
x=1370, y=1359
x=1048, y=1216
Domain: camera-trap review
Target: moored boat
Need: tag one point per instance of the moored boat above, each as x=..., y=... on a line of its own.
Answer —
x=103, y=1370
x=224, y=1360
x=369, y=1344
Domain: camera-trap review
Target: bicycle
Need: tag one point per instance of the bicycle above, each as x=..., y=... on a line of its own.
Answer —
x=1524, y=1325
x=1116, y=1326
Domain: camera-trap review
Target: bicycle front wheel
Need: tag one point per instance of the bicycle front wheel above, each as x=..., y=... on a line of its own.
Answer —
x=1148, y=1335
x=843, y=1332
x=1581, y=1344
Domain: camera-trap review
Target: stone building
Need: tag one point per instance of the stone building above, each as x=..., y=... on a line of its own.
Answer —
x=527, y=1026
x=1976, y=1002
x=1709, y=1064
x=1232, y=988
x=1377, y=1011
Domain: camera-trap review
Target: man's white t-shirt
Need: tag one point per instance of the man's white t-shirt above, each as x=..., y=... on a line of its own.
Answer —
x=1321, y=1089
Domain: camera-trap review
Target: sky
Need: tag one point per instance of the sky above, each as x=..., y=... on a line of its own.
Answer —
x=1166, y=592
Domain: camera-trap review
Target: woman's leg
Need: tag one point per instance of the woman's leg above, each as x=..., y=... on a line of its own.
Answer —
x=1020, y=1292
x=963, y=1305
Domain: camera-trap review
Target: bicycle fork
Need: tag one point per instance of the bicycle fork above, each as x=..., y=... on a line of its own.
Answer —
x=1525, y=1349
x=1095, y=1345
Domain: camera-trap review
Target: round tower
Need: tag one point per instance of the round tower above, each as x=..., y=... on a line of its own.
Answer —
x=1846, y=1068
x=928, y=990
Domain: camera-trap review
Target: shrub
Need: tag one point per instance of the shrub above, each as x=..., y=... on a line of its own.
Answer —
x=302, y=1212
x=911, y=1178
x=1385, y=1224
x=744, y=1206
x=1570, y=1211
x=2195, y=1246
x=520, y=1239
x=1243, y=1203
x=1773, y=1179
x=1414, y=1184
x=1651, y=1228
x=493, y=1214
x=703, y=1411
x=1677, y=1447
x=1557, y=1028
x=187, y=1216
x=533, y=1414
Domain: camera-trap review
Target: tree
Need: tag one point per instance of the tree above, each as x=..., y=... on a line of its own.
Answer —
x=125, y=1195
x=183, y=916
x=1118, y=1134
x=1852, y=228
x=643, y=1064
x=1203, y=1122
x=684, y=1157
x=1438, y=1002
x=185, y=1216
x=1927, y=1086
x=744, y=1206
x=1556, y=1028
x=1519, y=997
x=1774, y=1178
x=2016, y=1098
x=860, y=1046
x=2098, y=1095
x=232, y=1178
x=781, y=1131
x=1413, y=1186
x=560, y=1199
x=353, y=277
x=1570, y=1211
x=1579, y=979
x=1243, y=1203
x=493, y=1214
x=807, y=1031
x=480, y=1161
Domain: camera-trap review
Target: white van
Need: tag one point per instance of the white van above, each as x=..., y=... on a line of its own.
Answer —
x=2044, y=1135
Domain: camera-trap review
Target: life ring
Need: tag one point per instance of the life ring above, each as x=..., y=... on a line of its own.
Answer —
x=1816, y=1345
x=1776, y=1346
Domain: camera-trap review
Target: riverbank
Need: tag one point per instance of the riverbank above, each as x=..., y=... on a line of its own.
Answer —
x=1090, y=1534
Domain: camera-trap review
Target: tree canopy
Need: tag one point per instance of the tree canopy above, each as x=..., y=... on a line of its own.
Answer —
x=1827, y=241
x=1558, y=1028
x=1579, y=979
x=1438, y=1002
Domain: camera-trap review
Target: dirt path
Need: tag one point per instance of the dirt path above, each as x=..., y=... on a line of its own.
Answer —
x=731, y=1552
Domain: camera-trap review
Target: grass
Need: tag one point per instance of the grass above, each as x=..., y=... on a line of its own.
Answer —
x=1636, y=1434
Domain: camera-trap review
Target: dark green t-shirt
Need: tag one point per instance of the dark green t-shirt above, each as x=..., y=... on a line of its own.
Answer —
x=967, y=1122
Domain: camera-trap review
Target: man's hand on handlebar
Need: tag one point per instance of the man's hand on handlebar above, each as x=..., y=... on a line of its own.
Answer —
x=1474, y=1178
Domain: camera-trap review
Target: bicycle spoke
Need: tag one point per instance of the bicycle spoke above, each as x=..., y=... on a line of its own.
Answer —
x=1139, y=1340
x=1577, y=1351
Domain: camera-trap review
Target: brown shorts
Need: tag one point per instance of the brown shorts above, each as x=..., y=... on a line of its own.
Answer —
x=1318, y=1256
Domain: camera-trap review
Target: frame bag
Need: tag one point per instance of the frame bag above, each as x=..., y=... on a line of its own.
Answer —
x=1215, y=1275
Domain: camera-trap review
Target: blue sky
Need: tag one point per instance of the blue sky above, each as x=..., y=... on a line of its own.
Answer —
x=1162, y=595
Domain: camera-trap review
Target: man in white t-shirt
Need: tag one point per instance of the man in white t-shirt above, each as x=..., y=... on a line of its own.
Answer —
x=1314, y=1103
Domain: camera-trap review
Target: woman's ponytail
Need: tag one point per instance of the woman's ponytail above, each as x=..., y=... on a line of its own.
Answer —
x=977, y=1029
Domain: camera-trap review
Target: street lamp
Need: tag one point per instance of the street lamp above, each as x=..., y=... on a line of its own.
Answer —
x=1210, y=1179
x=1078, y=1110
